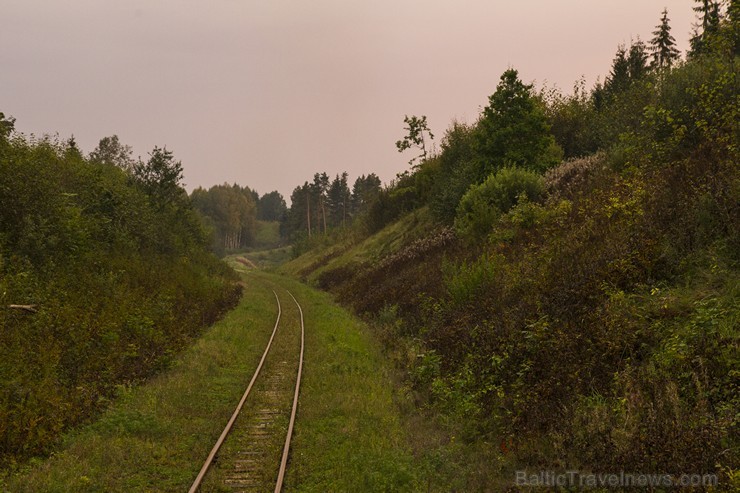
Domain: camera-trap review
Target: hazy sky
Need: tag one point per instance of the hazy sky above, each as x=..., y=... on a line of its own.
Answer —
x=267, y=92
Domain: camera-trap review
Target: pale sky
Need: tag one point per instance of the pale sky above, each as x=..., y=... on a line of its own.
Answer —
x=266, y=92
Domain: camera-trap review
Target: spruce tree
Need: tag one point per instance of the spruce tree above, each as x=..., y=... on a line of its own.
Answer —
x=619, y=77
x=663, y=45
x=709, y=11
x=637, y=60
x=733, y=19
x=513, y=130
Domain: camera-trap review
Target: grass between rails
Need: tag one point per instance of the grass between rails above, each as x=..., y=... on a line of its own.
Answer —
x=348, y=435
x=269, y=259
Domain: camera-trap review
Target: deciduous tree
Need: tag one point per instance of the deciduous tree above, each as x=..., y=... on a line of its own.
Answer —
x=271, y=207
x=160, y=177
x=416, y=128
x=112, y=152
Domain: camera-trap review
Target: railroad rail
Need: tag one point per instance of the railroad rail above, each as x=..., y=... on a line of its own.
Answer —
x=266, y=414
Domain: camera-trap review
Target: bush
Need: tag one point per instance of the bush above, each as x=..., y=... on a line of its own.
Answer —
x=120, y=281
x=483, y=204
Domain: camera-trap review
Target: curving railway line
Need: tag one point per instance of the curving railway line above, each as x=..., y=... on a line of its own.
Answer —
x=252, y=452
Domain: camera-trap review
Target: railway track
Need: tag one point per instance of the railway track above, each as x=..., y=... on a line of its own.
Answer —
x=252, y=452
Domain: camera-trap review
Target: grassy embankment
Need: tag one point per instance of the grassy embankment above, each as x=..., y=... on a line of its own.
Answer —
x=653, y=321
x=448, y=459
x=348, y=436
x=578, y=314
x=350, y=254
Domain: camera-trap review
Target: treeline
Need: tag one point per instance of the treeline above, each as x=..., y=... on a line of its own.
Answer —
x=112, y=266
x=575, y=303
x=323, y=204
x=232, y=213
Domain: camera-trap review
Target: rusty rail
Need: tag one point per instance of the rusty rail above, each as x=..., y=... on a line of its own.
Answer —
x=286, y=447
x=224, y=434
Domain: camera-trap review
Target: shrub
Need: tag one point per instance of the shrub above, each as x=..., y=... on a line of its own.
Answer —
x=119, y=281
x=482, y=205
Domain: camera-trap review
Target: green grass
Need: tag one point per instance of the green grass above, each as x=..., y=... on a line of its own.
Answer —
x=388, y=240
x=155, y=437
x=348, y=436
x=270, y=259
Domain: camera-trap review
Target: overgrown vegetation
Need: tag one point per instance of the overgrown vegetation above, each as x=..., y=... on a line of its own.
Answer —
x=576, y=314
x=348, y=436
x=581, y=315
x=113, y=266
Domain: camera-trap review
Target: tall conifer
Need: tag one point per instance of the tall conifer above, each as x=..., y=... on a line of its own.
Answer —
x=663, y=45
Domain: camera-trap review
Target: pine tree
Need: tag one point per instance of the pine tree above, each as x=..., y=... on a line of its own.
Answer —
x=298, y=217
x=319, y=188
x=338, y=197
x=663, y=45
x=364, y=192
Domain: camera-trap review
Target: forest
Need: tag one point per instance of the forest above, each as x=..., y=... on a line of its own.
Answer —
x=560, y=279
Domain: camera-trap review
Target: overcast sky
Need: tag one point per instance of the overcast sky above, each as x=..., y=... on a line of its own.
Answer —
x=266, y=92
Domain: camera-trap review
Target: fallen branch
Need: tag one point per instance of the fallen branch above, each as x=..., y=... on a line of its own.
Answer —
x=28, y=308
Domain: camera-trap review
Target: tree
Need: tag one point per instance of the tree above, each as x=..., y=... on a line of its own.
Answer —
x=628, y=67
x=663, y=44
x=72, y=149
x=458, y=169
x=110, y=151
x=318, y=189
x=637, y=60
x=160, y=177
x=513, y=130
x=416, y=128
x=733, y=18
x=571, y=118
x=298, y=217
x=271, y=207
x=231, y=210
x=619, y=77
x=7, y=125
x=364, y=192
x=338, y=200
x=709, y=13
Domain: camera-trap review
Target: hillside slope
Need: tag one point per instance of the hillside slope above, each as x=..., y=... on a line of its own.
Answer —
x=581, y=316
x=596, y=330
